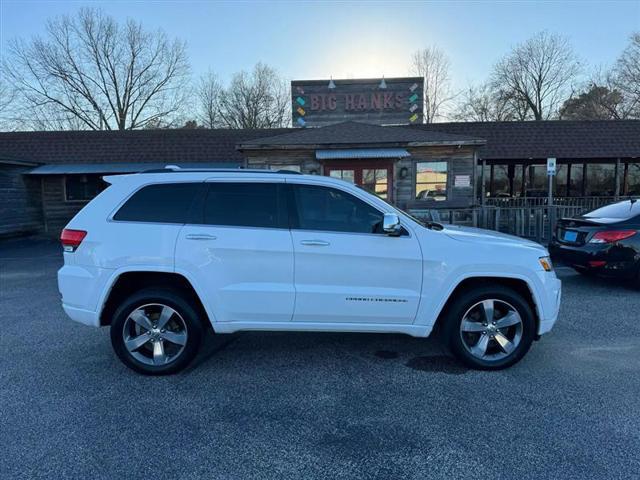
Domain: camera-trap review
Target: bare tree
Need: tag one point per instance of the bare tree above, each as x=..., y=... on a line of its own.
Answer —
x=486, y=104
x=260, y=99
x=6, y=96
x=433, y=65
x=104, y=74
x=208, y=96
x=626, y=77
x=538, y=73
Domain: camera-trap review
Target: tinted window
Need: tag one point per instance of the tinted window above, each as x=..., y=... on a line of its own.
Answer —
x=246, y=205
x=328, y=209
x=163, y=203
x=620, y=210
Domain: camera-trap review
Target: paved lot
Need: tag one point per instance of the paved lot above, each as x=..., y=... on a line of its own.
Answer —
x=304, y=406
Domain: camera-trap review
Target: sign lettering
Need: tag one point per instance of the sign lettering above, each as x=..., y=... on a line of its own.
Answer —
x=394, y=101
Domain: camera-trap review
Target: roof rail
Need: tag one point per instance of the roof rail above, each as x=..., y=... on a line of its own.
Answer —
x=177, y=169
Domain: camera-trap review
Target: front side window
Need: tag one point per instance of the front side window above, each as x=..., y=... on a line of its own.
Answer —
x=260, y=205
x=431, y=181
x=82, y=187
x=329, y=209
x=160, y=203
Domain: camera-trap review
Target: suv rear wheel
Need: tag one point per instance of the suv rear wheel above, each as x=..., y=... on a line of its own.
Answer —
x=156, y=332
x=490, y=328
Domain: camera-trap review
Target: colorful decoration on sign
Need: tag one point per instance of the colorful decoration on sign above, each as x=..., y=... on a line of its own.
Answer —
x=315, y=104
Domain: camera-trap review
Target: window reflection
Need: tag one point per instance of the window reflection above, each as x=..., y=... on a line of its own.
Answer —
x=431, y=181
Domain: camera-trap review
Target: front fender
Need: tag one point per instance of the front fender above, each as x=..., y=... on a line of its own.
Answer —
x=434, y=299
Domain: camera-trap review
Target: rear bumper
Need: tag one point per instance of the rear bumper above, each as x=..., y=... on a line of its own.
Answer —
x=81, y=287
x=619, y=261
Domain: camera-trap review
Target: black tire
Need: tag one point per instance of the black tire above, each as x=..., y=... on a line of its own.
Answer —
x=191, y=322
x=462, y=304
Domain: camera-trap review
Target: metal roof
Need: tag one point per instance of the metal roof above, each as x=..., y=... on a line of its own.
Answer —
x=362, y=153
x=107, y=168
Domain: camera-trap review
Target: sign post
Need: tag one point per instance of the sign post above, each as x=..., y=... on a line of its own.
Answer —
x=551, y=172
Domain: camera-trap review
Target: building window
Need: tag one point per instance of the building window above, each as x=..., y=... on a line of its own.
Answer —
x=633, y=179
x=431, y=181
x=346, y=175
x=601, y=179
x=82, y=188
x=376, y=181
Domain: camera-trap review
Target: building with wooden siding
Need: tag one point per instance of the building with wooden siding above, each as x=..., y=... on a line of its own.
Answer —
x=46, y=177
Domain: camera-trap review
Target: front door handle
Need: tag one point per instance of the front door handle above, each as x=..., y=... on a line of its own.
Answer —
x=200, y=236
x=315, y=243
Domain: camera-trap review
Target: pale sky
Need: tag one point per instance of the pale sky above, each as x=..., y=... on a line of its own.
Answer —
x=305, y=40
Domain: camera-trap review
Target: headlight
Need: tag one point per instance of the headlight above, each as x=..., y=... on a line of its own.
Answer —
x=546, y=264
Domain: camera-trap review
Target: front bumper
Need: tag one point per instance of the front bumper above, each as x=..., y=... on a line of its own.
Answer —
x=548, y=301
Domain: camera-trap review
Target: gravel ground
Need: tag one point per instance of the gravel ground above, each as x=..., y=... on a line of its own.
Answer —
x=305, y=406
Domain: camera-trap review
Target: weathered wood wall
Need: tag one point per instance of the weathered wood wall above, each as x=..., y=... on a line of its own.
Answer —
x=460, y=162
x=56, y=210
x=305, y=158
x=20, y=205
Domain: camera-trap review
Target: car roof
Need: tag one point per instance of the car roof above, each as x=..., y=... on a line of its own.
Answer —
x=175, y=174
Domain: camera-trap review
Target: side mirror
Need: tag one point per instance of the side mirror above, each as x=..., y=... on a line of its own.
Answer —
x=391, y=224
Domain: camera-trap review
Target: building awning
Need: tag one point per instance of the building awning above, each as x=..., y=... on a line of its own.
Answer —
x=352, y=153
x=110, y=168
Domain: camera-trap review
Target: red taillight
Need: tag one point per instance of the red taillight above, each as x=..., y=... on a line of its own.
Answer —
x=71, y=239
x=612, y=236
x=597, y=263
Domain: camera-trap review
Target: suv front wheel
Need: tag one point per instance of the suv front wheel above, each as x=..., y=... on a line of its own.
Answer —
x=490, y=328
x=156, y=332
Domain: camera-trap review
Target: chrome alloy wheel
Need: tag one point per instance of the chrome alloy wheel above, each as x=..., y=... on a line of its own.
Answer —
x=155, y=334
x=491, y=329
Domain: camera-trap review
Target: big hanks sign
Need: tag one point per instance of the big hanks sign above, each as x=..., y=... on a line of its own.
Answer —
x=389, y=101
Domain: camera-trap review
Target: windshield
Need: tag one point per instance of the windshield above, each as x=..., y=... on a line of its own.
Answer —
x=623, y=210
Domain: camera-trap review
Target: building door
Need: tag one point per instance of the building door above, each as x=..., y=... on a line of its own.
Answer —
x=375, y=177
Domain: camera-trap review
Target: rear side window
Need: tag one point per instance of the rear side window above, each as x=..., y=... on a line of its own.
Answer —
x=161, y=203
x=246, y=205
x=621, y=210
x=332, y=210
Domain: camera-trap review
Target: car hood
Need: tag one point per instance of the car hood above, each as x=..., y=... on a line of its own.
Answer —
x=478, y=235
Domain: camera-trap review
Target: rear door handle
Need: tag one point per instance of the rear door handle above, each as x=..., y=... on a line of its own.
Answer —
x=200, y=236
x=315, y=243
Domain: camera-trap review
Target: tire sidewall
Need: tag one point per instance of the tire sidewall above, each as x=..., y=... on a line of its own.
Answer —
x=172, y=299
x=463, y=303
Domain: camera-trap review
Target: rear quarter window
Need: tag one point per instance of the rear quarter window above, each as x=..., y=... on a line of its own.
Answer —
x=160, y=203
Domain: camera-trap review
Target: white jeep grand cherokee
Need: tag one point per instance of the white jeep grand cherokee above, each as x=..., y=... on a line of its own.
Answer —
x=161, y=255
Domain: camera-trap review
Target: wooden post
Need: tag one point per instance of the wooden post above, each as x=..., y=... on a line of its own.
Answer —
x=482, y=186
x=617, y=187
